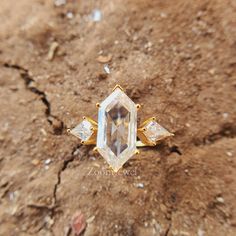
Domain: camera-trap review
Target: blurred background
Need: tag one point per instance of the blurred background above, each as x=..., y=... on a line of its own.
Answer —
x=59, y=58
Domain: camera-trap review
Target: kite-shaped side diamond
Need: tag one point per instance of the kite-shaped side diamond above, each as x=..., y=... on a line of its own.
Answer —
x=83, y=130
x=155, y=132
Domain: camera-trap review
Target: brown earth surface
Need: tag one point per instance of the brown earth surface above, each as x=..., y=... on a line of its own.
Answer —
x=176, y=58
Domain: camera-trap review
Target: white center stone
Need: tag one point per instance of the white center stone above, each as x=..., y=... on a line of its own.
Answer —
x=117, y=129
x=155, y=132
x=83, y=130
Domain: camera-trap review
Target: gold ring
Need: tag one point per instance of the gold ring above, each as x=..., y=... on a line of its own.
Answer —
x=116, y=134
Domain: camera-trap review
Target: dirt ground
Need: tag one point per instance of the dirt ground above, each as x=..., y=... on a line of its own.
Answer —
x=176, y=58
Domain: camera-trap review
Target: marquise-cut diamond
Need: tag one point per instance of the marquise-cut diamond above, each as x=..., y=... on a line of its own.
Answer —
x=83, y=130
x=154, y=131
x=117, y=129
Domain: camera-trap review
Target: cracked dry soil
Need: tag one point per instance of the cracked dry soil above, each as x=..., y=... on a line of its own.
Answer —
x=176, y=58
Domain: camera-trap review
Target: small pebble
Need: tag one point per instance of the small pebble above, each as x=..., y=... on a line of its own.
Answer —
x=183, y=233
x=43, y=131
x=13, y=88
x=104, y=59
x=78, y=223
x=48, y=161
x=200, y=232
x=140, y=185
x=2, y=138
x=230, y=154
x=35, y=162
x=148, y=46
x=69, y=15
x=52, y=51
x=59, y=2
x=49, y=220
x=199, y=14
x=225, y=115
x=90, y=219
x=220, y=199
x=96, y=15
x=163, y=208
x=212, y=71
x=163, y=15
x=107, y=69
x=135, y=38
x=77, y=152
x=13, y=195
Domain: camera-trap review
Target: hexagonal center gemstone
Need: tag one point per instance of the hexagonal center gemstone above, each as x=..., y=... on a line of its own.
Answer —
x=118, y=118
x=117, y=129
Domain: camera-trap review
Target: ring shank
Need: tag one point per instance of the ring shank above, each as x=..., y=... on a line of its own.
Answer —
x=141, y=144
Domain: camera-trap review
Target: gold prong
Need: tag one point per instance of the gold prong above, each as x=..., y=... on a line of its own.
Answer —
x=137, y=152
x=84, y=117
x=97, y=104
x=94, y=129
x=114, y=169
x=118, y=86
x=93, y=122
x=147, y=121
x=144, y=129
x=141, y=144
x=109, y=168
x=138, y=106
x=82, y=142
x=68, y=131
x=95, y=150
